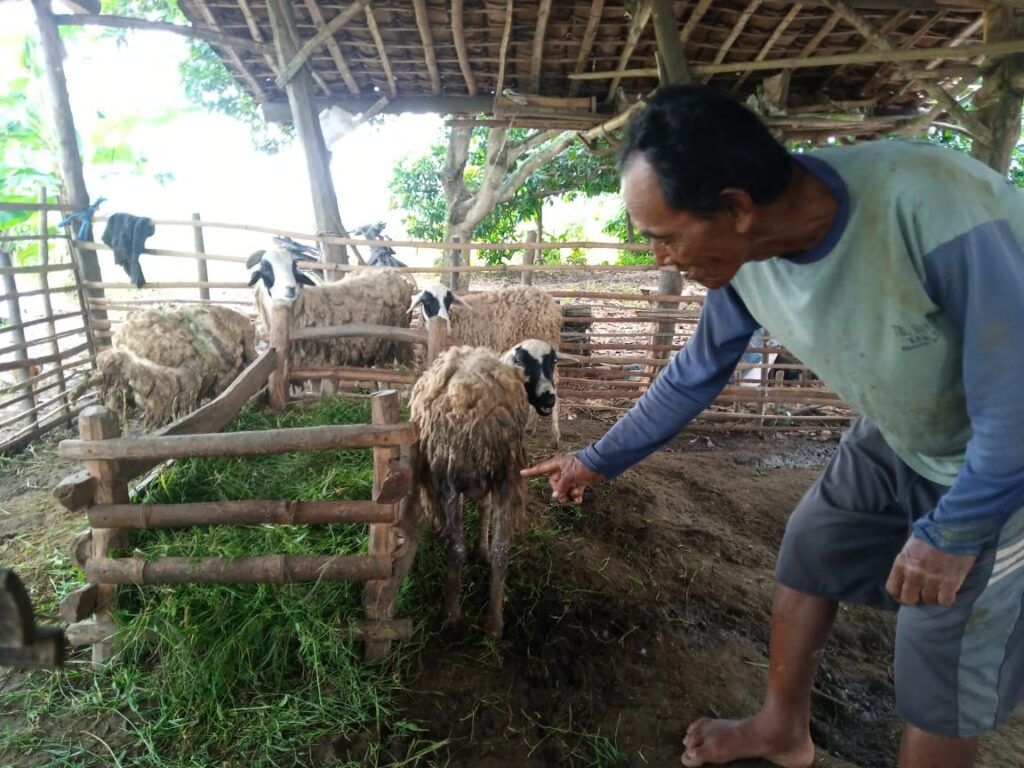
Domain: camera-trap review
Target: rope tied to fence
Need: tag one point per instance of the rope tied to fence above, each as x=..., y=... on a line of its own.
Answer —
x=83, y=216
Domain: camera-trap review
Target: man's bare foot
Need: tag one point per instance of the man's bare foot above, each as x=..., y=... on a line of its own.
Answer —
x=721, y=741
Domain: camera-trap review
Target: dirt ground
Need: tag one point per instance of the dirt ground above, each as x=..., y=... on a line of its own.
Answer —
x=626, y=619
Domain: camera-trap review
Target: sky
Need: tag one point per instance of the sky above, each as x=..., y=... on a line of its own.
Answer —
x=213, y=166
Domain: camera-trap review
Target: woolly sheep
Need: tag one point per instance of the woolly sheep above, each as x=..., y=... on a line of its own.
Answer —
x=499, y=320
x=166, y=361
x=471, y=410
x=379, y=297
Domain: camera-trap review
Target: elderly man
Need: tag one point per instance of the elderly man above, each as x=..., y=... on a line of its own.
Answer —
x=895, y=270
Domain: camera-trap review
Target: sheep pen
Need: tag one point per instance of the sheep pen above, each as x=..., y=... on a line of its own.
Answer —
x=166, y=361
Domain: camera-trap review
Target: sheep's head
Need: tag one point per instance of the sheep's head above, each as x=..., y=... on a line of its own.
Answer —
x=435, y=300
x=537, y=360
x=277, y=269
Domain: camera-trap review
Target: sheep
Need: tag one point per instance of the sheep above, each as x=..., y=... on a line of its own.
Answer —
x=166, y=361
x=377, y=297
x=471, y=407
x=498, y=320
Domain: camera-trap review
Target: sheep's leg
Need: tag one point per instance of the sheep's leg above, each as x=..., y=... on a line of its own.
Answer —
x=484, y=542
x=452, y=510
x=499, y=566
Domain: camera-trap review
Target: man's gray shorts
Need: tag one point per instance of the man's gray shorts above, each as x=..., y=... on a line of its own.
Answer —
x=959, y=670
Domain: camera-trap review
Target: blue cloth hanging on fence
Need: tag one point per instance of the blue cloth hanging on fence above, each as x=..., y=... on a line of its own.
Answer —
x=84, y=217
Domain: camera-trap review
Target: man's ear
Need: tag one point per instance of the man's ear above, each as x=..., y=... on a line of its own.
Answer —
x=739, y=207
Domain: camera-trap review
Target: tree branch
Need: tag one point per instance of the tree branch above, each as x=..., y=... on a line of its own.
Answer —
x=125, y=22
x=535, y=161
x=517, y=148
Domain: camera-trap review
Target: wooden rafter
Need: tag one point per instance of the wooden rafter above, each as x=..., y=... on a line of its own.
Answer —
x=820, y=35
x=878, y=79
x=200, y=33
x=321, y=37
x=427, y=37
x=936, y=90
x=382, y=51
x=536, y=57
x=332, y=46
x=740, y=25
x=636, y=28
x=505, y=36
x=593, y=19
x=460, y=47
x=233, y=57
x=257, y=35
x=890, y=26
x=954, y=43
x=693, y=20
x=772, y=40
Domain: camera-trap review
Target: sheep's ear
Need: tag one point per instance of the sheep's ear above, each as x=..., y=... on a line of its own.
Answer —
x=254, y=259
x=562, y=357
x=255, y=277
x=303, y=279
x=459, y=300
x=416, y=301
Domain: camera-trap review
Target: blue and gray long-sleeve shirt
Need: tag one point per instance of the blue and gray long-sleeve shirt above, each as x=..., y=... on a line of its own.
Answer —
x=911, y=308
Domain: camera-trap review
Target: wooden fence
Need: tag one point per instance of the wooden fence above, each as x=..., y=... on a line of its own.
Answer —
x=623, y=336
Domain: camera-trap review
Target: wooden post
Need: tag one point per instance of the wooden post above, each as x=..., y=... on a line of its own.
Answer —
x=453, y=278
x=62, y=119
x=384, y=410
x=671, y=62
x=44, y=283
x=26, y=398
x=670, y=283
x=529, y=257
x=998, y=101
x=277, y=387
x=99, y=423
x=307, y=126
x=201, y=271
x=437, y=339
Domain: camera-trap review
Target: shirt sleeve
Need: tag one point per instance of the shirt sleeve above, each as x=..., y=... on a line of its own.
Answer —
x=684, y=388
x=978, y=280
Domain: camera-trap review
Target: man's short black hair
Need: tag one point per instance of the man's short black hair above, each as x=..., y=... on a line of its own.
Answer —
x=699, y=142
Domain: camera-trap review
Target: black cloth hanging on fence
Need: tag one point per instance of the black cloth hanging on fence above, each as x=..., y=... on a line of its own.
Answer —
x=127, y=234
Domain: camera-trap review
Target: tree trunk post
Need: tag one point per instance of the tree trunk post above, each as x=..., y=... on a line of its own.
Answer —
x=99, y=423
x=454, y=279
x=201, y=270
x=277, y=387
x=384, y=410
x=307, y=126
x=437, y=339
x=529, y=258
x=999, y=100
x=23, y=389
x=56, y=89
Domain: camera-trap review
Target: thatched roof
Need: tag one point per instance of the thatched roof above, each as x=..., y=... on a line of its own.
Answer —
x=452, y=56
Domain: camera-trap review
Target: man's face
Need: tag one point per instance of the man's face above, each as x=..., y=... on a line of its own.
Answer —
x=708, y=251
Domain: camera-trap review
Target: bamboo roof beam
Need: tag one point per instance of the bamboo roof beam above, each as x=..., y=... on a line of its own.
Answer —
x=670, y=57
x=226, y=42
x=636, y=28
x=321, y=37
x=505, y=36
x=382, y=50
x=460, y=47
x=333, y=48
x=820, y=35
x=879, y=78
x=429, y=55
x=587, y=43
x=964, y=52
x=772, y=40
x=886, y=29
x=937, y=92
x=954, y=43
x=536, y=57
x=694, y=19
x=232, y=54
x=257, y=35
x=741, y=23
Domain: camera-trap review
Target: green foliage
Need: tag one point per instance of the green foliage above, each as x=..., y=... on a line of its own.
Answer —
x=416, y=188
x=619, y=229
x=576, y=256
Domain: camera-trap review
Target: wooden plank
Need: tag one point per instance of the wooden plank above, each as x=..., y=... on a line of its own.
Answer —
x=256, y=512
x=737, y=29
x=214, y=36
x=34, y=270
x=427, y=37
x=161, y=447
x=693, y=20
x=10, y=366
x=261, y=569
x=391, y=332
x=296, y=60
x=345, y=373
x=332, y=44
x=75, y=492
x=671, y=58
x=636, y=28
x=772, y=40
x=506, y=34
x=382, y=51
x=232, y=55
x=80, y=604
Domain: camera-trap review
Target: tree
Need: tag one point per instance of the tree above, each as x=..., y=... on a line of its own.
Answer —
x=478, y=183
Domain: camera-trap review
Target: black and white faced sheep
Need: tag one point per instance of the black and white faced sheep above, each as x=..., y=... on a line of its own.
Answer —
x=471, y=409
x=500, y=320
x=166, y=361
x=377, y=297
